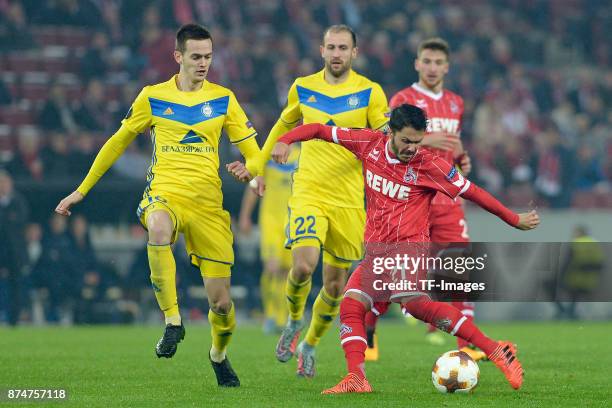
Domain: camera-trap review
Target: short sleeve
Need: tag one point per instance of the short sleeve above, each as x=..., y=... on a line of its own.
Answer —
x=444, y=177
x=138, y=118
x=237, y=125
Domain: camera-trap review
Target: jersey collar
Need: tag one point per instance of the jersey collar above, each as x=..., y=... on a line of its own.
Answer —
x=348, y=82
x=388, y=153
x=432, y=95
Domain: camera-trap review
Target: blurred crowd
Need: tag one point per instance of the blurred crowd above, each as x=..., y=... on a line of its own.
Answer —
x=536, y=77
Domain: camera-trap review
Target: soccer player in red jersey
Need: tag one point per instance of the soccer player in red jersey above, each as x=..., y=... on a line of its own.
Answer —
x=447, y=222
x=401, y=182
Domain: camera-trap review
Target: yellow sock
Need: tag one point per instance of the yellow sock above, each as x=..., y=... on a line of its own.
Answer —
x=297, y=294
x=280, y=307
x=324, y=311
x=267, y=298
x=163, y=279
x=221, y=330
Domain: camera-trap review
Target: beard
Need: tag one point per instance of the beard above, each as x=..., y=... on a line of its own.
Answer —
x=341, y=71
x=400, y=156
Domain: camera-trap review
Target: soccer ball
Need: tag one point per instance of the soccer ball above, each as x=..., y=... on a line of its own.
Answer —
x=455, y=371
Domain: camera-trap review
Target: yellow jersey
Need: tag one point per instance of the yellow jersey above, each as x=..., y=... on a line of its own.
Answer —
x=278, y=185
x=185, y=131
x=327, y=172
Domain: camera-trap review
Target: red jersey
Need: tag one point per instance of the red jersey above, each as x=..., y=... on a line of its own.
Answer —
x=444, y=114
x=398, y=194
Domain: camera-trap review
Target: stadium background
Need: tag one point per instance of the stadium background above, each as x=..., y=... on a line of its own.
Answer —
x=535, y=77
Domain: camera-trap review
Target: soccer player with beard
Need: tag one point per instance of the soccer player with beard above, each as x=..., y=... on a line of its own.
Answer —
x=326, y=208
x=447, y=224
x=401, y=181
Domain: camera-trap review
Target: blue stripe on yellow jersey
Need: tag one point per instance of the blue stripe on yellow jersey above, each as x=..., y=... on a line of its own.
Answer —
x=186, y=128
x=189, y=115
x=331, y=105
x=327, y=172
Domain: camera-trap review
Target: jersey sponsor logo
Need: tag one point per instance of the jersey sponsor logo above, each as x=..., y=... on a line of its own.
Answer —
x=311, y=99
x=443, y=125
x=353, y=101
x=386, y=187
x=207, y=110
x=188, y=148
x=191, y=137
x=168, y=111
x=374, y=154
x=421, y=103
x=410, y=176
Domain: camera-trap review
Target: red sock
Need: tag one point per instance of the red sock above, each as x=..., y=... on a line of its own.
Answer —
x=466, y=309
x=370, y=320
x=371, y=317
x=448, y=318
x=353, y=335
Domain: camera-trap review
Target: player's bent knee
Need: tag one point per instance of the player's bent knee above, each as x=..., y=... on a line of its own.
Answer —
x=303, y=269
x=160, y=228
x=221, y=306
x=334, y=288
x=358, y=297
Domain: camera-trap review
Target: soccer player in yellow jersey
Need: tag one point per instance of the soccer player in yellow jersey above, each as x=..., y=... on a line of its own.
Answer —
x=185, y=116
x=326, y=209
x=275, y=257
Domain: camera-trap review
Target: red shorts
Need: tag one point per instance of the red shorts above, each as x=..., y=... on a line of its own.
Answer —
x=447, y=224
x=394, y=281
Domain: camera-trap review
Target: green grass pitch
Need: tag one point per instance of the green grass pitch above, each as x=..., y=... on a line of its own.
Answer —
x=566, y=364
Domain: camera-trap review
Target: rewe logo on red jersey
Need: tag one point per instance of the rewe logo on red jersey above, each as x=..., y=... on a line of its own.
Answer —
x=443, y=125
x=387, y=187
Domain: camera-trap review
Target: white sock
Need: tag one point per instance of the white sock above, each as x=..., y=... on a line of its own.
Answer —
x=174, y=320
x=216, y=355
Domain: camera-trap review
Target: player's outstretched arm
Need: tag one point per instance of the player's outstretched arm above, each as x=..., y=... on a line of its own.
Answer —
x=241, y=173
x=523, y=221
x=64, y=206
x=107, y=156
x=528, y=220
x=280, y=153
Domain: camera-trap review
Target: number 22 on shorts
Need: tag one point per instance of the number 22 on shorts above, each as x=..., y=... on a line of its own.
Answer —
x=305, y=225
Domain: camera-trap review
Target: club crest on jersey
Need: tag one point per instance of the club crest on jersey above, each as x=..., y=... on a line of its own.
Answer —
x=207, y=110
x=374, y=154
x=421, y=103
x=453, y=107
x=353, y=101
x=410, y=176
